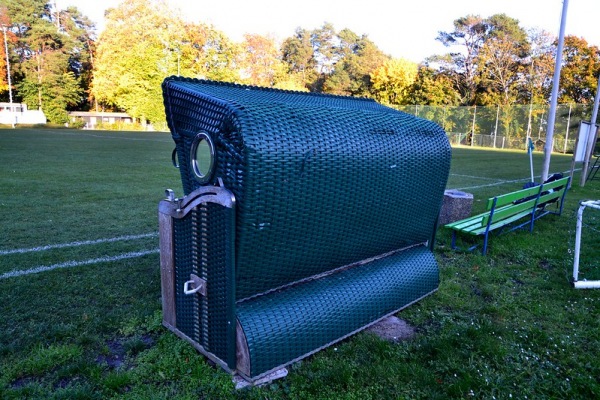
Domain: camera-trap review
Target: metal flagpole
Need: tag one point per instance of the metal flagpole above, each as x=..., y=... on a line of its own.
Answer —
x=554, y=99
x=530, y=149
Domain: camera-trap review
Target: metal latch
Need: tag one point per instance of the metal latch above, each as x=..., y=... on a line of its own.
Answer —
x=195, y=285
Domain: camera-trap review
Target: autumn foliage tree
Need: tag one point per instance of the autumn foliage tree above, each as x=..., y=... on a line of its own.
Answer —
x=206, y=52
x=393, y=80
x=136, y=51
x=4, y=22
x=261, y=60
x=47, y=56
x=146, y=41
x=468, y=37
x=432, y=88
x=579, y=75
x=299, y=55
x=58, y=64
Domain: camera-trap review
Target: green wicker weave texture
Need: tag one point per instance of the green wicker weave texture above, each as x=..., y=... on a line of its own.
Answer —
x=320, y=181
x=283, y=326
x=204, y=319
x=186, y=307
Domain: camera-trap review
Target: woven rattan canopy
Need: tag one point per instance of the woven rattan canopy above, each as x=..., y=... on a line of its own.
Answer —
x=335, y=202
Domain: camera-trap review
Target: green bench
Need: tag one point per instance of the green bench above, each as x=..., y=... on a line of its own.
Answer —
x=512, y=211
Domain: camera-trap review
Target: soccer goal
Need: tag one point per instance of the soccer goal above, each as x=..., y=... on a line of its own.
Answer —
x=585, y=283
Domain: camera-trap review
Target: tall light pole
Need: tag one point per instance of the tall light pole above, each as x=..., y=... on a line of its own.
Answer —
x=555, y=87
x=8, y=77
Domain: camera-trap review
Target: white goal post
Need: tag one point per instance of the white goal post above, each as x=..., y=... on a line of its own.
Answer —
x=583, y=284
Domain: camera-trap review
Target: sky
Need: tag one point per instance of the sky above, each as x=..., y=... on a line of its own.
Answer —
x=402, y=29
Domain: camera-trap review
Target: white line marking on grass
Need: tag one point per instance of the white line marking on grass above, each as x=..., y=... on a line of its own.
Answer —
x=70, y=264
x=77, y=244
x=503, y=182
x=493, y=184
x=81, y=133
x=477, y=177
x=126, y=138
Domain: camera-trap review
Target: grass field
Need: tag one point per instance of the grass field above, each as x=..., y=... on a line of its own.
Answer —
x=80, y=290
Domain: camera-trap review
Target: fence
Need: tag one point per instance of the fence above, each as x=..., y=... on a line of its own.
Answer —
x=506, y=127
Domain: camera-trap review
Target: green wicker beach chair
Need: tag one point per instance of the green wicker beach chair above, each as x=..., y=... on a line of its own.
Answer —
x=306, y=218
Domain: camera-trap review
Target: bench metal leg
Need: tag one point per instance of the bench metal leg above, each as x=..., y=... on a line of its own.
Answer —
x=485, y=243
x=532, y=222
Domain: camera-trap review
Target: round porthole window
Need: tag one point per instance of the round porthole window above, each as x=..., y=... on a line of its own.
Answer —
x=202, y=157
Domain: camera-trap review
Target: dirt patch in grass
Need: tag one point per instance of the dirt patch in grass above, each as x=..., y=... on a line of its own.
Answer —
x=22, y=382
x=393, y=329
x=120, y=349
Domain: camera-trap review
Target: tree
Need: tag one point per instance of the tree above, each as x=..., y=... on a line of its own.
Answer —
x=469, y=35
x=323, y=42
x=501, y=67
x=501, y=60
x=290, y=81
x=536, y=89
x=579, y=74
x=299, y=55
x=393, y=80
x=143, y=43
x=136, y=51
x=356, y=57
x=208, y=53
x=81, y=60
x=540, y=68
x=46, y=71
x=262, y=63
x=4, y=21
x=324, y=60
x=432, y=88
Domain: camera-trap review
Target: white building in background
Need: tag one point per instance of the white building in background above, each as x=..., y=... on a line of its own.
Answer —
x=17, y=113
x=92, y=119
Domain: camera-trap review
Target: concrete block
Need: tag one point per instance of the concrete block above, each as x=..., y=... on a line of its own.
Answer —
x=456, y=206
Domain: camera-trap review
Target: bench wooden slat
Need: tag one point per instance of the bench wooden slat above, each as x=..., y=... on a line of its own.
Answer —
x=476, y=229
x=467, y=222
x=550, y=196
x=554, y=184
x=510, y=198
x=509, y=211
x=502, y=223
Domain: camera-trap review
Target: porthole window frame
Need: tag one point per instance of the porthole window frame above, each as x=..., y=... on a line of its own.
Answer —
x=201, y=177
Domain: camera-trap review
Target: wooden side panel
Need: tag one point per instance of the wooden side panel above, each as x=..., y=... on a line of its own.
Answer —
x=242, y=352
x=167, y=268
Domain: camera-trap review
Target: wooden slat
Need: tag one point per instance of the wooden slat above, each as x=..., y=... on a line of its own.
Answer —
x=508, y=211
x=167, y=268
x=501, y=223
x=243, y=364
x=510, y=198
x=551, y=196
x=555, y=184
x=465, y=223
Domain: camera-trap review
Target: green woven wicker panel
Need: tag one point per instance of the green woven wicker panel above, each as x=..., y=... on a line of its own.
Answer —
x=201, y=249
x=186, y=307
x=283, y=326
x=214, y=253
x=320, y=181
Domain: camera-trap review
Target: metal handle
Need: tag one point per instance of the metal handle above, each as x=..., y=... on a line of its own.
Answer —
x=195, y=285
x=174, y=158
